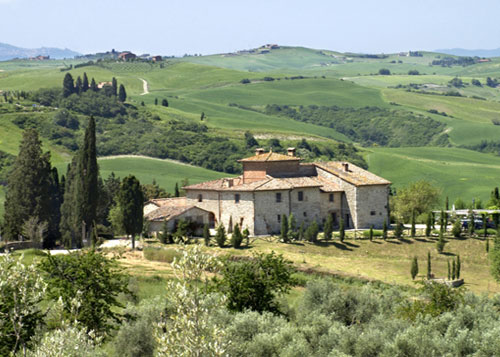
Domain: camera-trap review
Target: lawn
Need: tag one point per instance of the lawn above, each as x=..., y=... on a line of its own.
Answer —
x=458, y=172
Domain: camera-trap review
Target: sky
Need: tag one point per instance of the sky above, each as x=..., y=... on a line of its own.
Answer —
x=174, y=27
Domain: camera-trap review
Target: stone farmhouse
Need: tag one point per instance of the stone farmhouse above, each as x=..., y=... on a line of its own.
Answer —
x=273, y=185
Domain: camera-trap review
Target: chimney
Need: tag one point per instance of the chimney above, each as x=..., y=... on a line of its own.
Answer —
x=229, y=182
x=346, y=166
x=291, y=151
x=259, y=151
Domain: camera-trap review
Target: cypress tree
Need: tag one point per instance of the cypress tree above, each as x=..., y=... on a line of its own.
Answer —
x=164, y=103
x=246, y=236
x=440, y=243
x=122, y=95
x=370, y=233
x=428, y=226
x=114, y=85
x=176, y=190
x=284, y=229
x=131, y=200
x=459, y=266
x=429, y=268
x=292, y=234
x=341, y=230
x=220, y=236
x=414, y=268
x=300, y=233
x=206, y=235
x=456, y=230
x=28, y=186
x=55, y=195
x=384, y=230
x=398, y=232
x=85, y=83
x=78, y=85
x=413, y=230
x=447, y=204
x=156, y=101
x=93, y=85
x=471, y=227
x=328, y=229
x=449, y=270
x=70, y=212
x=453, y=270
x=68, y=85
x=236, y=237
x=441, y=222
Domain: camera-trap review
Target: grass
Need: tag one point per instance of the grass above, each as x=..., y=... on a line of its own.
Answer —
x=458, y=172
x=160, y=254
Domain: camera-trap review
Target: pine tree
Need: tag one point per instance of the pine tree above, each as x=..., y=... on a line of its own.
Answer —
x=449, y=270
x=93, y=85
x=413, y=230
x=114, y=85
x=428, y=226
x=453, y=270
x=440, y=243
x=78, y=85
x=28, y=186
x=459, y=266
x=122, y=95
x=156, y=101
x=384, y=230
x=131, y=200
x=236, y=237
x=85, y=82
x=328, y=229
x=414, y=268
x=341, y=230
x=68, y=85
x=429, y=268
x=284, y=229
x=206, y=235
x=220, y=236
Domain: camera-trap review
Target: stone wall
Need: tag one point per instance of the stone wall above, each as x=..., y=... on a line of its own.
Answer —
x=209, y=202
x=372, y=208
x=328, y=207
x=267, y=211
x=241, y=213
x=197, y=215
x=309, y=209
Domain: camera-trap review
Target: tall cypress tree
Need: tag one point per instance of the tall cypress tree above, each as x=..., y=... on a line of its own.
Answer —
x=122, y=95
x=68, y=85
x=93, y=85
x=114, y=84
x=78, y=85
x=28, y=186
x=131, y=200
x=55, y=196
x=70, y=212
x=85, y=83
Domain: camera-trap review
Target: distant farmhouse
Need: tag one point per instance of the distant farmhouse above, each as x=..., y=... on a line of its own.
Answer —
x=40, y=58
x=126, y=56
x=273, y=185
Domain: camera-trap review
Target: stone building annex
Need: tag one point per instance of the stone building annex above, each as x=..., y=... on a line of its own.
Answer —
x=273, y=185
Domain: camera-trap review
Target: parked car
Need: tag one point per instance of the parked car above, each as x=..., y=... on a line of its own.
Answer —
x=478, y=223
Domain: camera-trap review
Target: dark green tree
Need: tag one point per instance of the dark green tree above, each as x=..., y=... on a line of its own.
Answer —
x=440, y=243
x=156, y=101
x=94, y=281
x=398, y=231
x=447, y=204
x=202, y=116
x=131, y=200
x=164, y=102
x=414, y=268
x=449, y=270
x=459, y=266
x=341, y=230
x=122, y=95
x=220, y=236
x=114, y=85
x=456, y=229
x=384, y=230
x=413, y=230
x=176, y=190
x=471, y=227
x=70, y=210
x=68, y=85
x=236, y=237
x=429, y=267
x=93, y=85
x=206, y=235
x=292, y=227
x=29, y=186
x=328, y=229
x=78, y=85
x=301, y=232
x=85, y=82
x=250, y=140
x=312, y=232
x=284, y=229
x=428, y=226
x=453, y=270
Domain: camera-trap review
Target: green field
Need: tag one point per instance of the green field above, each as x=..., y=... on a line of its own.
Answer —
x=458, y=172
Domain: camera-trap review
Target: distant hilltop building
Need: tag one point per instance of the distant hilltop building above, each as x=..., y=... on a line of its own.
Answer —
x=273, y=185
x=40, y=58
x=126, y=56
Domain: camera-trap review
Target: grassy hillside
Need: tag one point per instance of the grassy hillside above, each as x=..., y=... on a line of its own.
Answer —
x=458, y=172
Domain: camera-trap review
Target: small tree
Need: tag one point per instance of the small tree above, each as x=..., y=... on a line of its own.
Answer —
x=456, y=230
x=176, y=190
x=453, y=270
x=442, y=227
x=35, y=230
x=236, y=237
x=398, y=232
x=164, y=235
x=131, y=201
x=156, y=101
x=414, y=268
x=220, y=236
x=284, y=229
x=459, y=266
x=183, y=231
x=429, y=268
x=202, y=116
x=301, y=233
x=471, y=226
x=487, y=245
x=428, y=226
x=341, y=230
x=164, y=103
x=440, y=243
x=292, y=227
x=122, y=94
x=371, y=233
x=413, y=230
x=312, y=232
x=384, y=72
x=246, y=237
x=449, y=270
x=206, y=235
x=328, y=229
x=384, y=230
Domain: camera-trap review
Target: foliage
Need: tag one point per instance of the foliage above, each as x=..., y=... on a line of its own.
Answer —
x=94, y=280
x=34, y=230
x=414, y=268
x=284, y=229
x=418, y=197
x=206, y=235
x=398, y=231
x=384, y=72
x=236, y=237
x=328, y=228
x=21, y=291
x=164, y=255
x=494, y=255
x=429, y=266
x=341, y=230
x=256, y=283
x=220, y=236
x=412, y=229
x=190, y=329
x=428, y=225
x=131, y=200
x=456, y=230
x=292, y=227
x=311, y=233
x=440, y=243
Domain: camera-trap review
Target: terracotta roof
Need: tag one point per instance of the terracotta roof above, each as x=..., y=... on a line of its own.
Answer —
x=329, y=186
x=289, y=183
x=168, y=212
x=355, y=175
x=270, y=156
x=172, y=201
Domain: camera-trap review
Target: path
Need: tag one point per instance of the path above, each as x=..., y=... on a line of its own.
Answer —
x=144, y=157
x=145, y=86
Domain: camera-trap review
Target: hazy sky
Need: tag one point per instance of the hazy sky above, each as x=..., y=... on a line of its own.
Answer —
x=173, y=27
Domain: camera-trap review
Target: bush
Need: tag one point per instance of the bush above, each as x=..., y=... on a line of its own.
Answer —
x=245, y=81
x=489, y=231
x=220, y=236
x=165, y=255
x=413, y=72
x=384, y=72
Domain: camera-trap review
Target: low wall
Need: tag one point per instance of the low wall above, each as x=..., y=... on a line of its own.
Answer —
x=11, y=246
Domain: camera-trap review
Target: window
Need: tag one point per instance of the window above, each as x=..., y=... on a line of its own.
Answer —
x=373, y=213
x=237, y=198
x=305, y=214
x=200, y=198
x=279, y=219
x=330, y=197
x=301, y=196
x=278, y=197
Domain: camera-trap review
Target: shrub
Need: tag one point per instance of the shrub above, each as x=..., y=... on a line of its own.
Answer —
x=206, y=235
x=398, y=231
x=440, y=243
x=414, y=268
x=413, y=72
x=245, y=81
x=456, y=230
x=489, y=231
x=165, y=255
x=236, y=237
x=312, y=232
x=384, y=72
x=220, y=236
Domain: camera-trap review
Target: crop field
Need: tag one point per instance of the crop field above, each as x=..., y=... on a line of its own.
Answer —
x=458, y=172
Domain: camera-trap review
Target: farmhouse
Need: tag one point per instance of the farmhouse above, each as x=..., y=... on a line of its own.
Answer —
x=126, y=55
x=274, y=184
